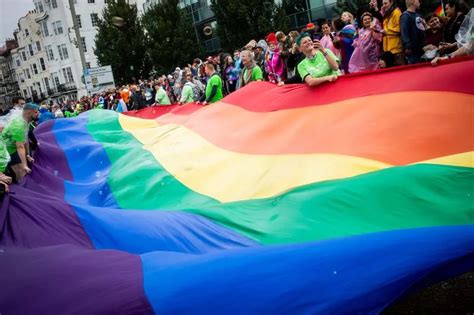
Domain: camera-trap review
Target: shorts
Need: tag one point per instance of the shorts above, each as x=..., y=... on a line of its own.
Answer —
x=14, y=159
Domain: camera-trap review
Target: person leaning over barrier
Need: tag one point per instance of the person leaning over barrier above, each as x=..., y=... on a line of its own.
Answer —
x=213, y=86
x=320, y=65
x=250, y=70
x=187, y=93
x=14, y=135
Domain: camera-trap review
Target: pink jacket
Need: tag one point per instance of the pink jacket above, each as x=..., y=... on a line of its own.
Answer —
x=326, y=41
x=275, y=66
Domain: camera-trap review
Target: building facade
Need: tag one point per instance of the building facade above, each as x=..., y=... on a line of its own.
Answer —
x=8, y=80
x=61, y=45
x=29, y=59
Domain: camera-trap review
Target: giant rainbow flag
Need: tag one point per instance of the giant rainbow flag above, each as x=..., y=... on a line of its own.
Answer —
x=338, y=199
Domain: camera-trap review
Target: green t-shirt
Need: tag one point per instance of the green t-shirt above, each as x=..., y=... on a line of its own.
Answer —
x=70, y=114
x=4, y=156
x=318, y=66
x=187, y=95
x=161, y=97
x=256, y=74
x=15, y=131
x=214, y=80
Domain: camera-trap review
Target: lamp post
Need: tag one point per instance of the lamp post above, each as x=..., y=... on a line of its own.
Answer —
x=78, y=36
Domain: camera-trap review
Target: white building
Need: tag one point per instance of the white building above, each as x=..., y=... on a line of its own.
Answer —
x=29, y=59
x=63, y=59
x=47, y=61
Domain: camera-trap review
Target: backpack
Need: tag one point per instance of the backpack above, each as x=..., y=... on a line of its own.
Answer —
x=198, y=89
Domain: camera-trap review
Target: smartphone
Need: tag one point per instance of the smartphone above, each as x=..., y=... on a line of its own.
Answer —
x=316, y=36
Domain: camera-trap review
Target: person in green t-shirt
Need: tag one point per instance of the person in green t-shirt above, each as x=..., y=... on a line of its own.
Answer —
x=320, y=65
x=161, y=97
x=4, y=159
x=4, y=156
x=251, y=71
x=15, y=137
x=187, y=94
x=213, y=87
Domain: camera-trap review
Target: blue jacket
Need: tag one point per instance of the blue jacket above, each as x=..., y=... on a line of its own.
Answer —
x=413, y=31
x=45, y=115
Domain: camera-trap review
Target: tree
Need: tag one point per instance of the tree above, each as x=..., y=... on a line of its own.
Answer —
x=123, y=45
x=172, y=38
x=238, y=21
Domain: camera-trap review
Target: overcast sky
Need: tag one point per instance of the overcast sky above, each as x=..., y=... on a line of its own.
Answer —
x=10, y=12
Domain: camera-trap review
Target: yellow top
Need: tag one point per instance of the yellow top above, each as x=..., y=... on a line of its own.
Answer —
x=392, y=41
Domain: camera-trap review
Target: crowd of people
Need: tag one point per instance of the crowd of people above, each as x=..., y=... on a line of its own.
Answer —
x=375, y=38
x=372, y=39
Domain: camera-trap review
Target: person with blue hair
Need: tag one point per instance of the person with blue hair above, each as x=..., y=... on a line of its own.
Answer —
x=15, y=138
x=320, y=64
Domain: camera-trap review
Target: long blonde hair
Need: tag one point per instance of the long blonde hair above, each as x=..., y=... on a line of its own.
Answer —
x=350, y=15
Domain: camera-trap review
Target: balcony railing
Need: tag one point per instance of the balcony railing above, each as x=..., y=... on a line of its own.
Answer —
x=62, y=88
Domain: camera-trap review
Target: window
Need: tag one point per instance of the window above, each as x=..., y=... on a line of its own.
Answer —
x=88, y=65
x=28, y=75
x=25, y=93
x=79, y=23
x=84, y=46
x=55, y=78
x=65, y=53
x=18, y=62
x=38, y=46
x=27, y=33
x=46, y=83
x=44, y=26
x=58, y=28
x=35, y=68
x=49, y=53
x=39, y=7
x=62, y=50
x=43, y=65
x=90, y=1
x=38, y=86
x=30, y=49
x=23, y=54
x=54, y=4
x=67, y=74
x=94, y=19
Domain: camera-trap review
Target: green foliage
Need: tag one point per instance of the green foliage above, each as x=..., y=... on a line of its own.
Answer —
x=239, y=21
x=124, y=48
x=171, y=36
